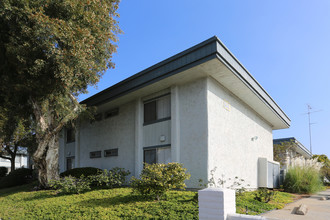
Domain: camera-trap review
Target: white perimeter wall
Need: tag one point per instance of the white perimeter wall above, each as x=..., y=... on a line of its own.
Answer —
x=232, y=127
x=193, y=129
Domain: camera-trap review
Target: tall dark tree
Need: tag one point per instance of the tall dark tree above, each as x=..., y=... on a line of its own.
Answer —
x=50, y=51
x=16, y=138
x=16, y=131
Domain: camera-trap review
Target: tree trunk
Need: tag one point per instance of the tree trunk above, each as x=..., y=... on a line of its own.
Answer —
x=48, y=128
x=12, y=163
x=46, y=160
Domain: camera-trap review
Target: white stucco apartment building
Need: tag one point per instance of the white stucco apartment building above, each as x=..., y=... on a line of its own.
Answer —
x=297, y=150
x=200, y=107
x=21, y=161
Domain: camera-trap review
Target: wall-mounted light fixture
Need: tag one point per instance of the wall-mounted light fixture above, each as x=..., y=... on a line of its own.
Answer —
x=162, y=138
x=254, y=138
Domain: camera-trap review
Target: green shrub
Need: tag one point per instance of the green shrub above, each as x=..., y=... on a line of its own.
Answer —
x=302, y=179
x=79, y=183
x=77, y=172
x=3, y=171
x=156, y=179
x=71, y=185
x=263, y=195
x=16, y=177
x=110, y=179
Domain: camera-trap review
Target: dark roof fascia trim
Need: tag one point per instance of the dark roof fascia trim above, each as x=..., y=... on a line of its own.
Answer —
x=200, y=53
x=249, y=81
x=280, y=140
x=302, y=147
x=125, y=91
x=132, y=83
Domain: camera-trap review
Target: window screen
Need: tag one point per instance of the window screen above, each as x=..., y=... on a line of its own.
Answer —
x=164, y=107
x=157, y=155
x=164, y=155
x=157, y=109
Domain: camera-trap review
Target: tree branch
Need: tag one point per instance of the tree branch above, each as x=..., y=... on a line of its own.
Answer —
x=76, y=109
x=4, y=157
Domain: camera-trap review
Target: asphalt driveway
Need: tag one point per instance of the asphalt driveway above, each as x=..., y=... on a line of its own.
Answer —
x=317, y=209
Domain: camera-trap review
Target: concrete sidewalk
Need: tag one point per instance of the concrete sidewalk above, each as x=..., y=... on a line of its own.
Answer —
x=317, y=209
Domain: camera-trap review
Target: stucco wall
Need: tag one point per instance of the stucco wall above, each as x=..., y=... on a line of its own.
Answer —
x=152, y=133
x=213, y=128
x=114, y=132
x=193, y=129
x=237, y=136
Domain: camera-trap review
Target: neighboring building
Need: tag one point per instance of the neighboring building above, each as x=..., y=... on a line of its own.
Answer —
x=200, y=107
x=21, y=161
x=296, y=150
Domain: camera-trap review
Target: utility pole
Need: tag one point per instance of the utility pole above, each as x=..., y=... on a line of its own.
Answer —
x=309, y=108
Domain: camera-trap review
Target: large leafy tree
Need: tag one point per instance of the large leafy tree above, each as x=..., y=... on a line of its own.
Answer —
x=50, y=51
x=281, y=150
x=325, y=170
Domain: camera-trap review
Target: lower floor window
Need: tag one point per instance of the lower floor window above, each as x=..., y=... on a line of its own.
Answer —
x=69, y=163
x=157, y=155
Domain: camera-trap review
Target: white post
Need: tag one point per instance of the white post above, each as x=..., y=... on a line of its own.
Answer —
x=216, y=203
x=138, y=137
x=175, y=125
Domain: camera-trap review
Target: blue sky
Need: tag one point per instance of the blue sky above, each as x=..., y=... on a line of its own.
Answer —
x=285, y=45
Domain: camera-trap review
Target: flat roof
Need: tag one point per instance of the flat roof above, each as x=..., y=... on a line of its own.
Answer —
x=210, y=49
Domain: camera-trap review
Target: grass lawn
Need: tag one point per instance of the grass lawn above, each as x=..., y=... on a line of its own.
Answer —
x=247, y=203
x=120, y=203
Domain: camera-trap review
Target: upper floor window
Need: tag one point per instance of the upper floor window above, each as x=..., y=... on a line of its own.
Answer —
x=157, y=109
x=70, y=135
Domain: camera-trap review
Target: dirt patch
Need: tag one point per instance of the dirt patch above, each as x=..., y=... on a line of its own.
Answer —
x=300, y=196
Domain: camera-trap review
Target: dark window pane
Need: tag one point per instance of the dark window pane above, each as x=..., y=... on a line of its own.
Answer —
x=70, y=135
x=150, y=156
x=111, y=152
x=150, y=111
x=69, y=163
x=95, y=154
